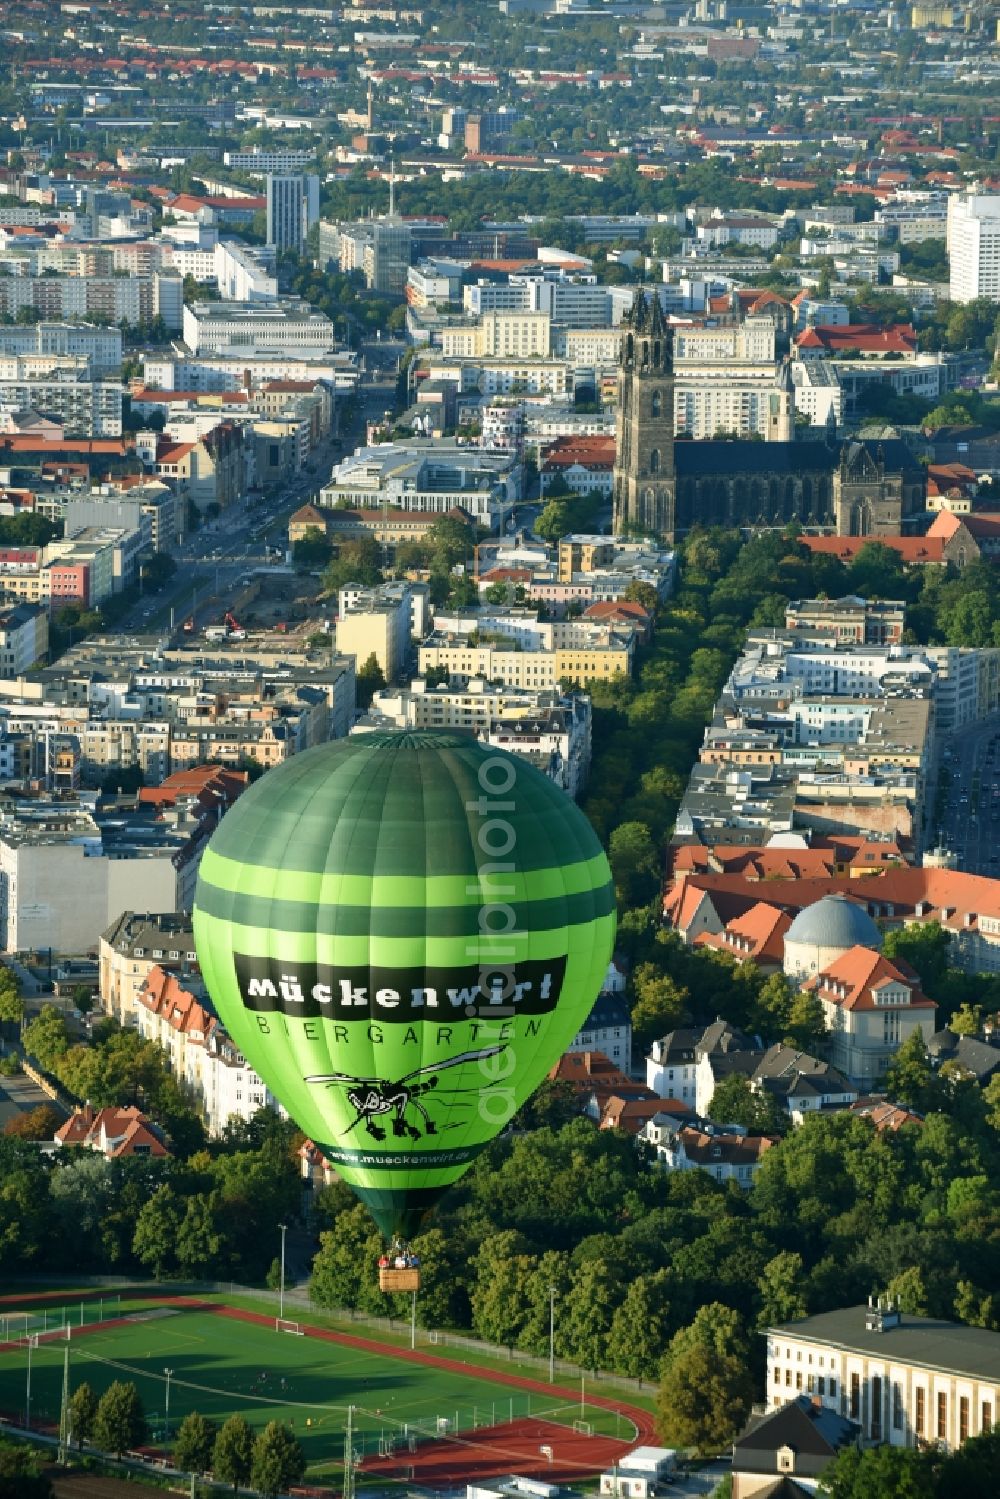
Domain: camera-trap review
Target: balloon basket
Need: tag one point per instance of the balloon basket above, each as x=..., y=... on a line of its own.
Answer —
x=393, y=1280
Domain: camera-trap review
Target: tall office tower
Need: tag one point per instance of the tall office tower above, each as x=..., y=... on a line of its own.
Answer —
x=974, y=247
x=292, y=209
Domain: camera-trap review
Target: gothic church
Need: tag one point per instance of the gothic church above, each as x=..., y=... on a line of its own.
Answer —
x=667, y=487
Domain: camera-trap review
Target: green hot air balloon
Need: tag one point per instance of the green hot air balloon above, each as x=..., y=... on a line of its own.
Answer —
x=402, y=932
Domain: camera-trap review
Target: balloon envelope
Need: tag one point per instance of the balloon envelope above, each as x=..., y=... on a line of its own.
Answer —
x=402, y=932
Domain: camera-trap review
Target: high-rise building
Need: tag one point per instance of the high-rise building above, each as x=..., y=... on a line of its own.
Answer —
x=386, y=257
x=292, y=208
x=974, y=247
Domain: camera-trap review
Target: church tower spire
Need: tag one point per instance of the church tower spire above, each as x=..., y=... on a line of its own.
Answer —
x=644, y=485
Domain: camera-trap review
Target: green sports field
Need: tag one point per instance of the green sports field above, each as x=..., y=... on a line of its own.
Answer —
x=220, y=1367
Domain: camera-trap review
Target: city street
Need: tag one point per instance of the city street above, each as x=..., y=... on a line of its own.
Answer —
x=970, y=825
x=214, y=560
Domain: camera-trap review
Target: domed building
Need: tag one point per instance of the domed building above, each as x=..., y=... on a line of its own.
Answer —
x=823, y=932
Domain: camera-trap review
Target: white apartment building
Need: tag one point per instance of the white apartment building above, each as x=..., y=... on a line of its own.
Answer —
x=908, y=1381
x=589, y=348
x=101, y=347
x=85, y=408
x=974, y=247
x=742, y=398
x=24, y=638
x=819, y=394
x=229, y=371
x=914, y=220
x=288, y=326
x=547, y=727
x=264, y=160
x=245, y=273
x=501, y=335
x=753, y=340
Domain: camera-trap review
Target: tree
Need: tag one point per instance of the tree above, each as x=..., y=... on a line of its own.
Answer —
x=11, y=1004
x=806, y=1023
x=661, y=1004
x=781, y=1290
x=356, y=562
x=369, y=679
x=645, y=594
x=967, y=1020
x=158, y=570
x=588, y=1310
x=278, y=1460
x=341, y=1270
x=194, y=1445
x=232, y=1452
x=20, y=1477
x=925, y=946
x=312, y=550
x=876, y=571
x=734, y=1101
x=880, y=1473
x=909, y=1077
x=450, y=540
x=157, y=1227
x=707, y=1388
x=554, y=522
x=635, y=863
x=82, y=1413
x=46, y=1037
x=971, y=1471
x=39, y=1123
x=638, y=1335
x=498, y=1298
x=119, y=1421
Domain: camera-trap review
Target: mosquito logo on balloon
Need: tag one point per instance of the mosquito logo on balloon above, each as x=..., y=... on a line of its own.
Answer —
x=373, y=1099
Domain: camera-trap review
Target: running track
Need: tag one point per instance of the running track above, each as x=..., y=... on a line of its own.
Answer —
x=486, y=1453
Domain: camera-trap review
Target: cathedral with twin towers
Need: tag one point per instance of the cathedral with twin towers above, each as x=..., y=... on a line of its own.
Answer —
x=666, y=486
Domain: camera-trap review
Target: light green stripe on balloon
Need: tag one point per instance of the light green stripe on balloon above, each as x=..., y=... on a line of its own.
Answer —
x=383, y=890
x=401, y=952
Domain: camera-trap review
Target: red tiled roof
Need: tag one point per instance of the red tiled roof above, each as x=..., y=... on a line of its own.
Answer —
x=852, y=981
x=631, y=1113
x=211, y=785
x=756, y=936
x=115, y=1132
x=588, y=452
x=867, y=338
x=624, y=609
x=163, y=995
x=885, y=1115
x=719, y=1149
x=915, y=550
x=952, y=897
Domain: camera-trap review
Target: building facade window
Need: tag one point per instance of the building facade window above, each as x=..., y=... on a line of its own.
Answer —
x=876, y=1417
x=855, y=1397
x=919, y=1412
x=942, y=1416
x=963, y=1418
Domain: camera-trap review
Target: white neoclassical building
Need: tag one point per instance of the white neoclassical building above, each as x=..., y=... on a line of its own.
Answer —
x=908, y=1381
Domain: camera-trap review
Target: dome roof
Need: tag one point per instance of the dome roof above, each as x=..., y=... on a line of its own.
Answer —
x=835, y=921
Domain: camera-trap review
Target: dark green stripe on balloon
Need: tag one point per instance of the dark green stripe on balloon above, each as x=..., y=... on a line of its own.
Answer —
x=269, y=913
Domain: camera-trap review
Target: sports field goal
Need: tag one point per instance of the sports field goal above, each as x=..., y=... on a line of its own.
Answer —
x=584, y=1428
x=282, y=1324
